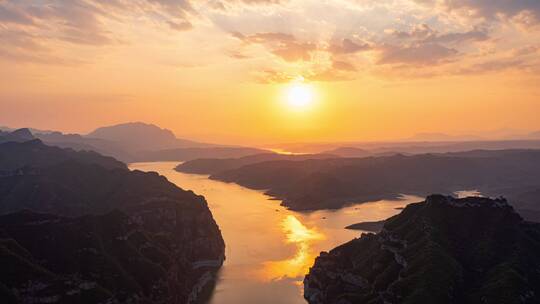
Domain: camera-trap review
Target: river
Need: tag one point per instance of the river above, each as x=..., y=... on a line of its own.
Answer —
x=269, y=249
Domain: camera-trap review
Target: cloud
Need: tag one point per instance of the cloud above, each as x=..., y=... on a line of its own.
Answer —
x=330, y=75
x=491, y=9
x=494, y=66
x=424, y=33
x=419, y=54
x=11, y=14
x=425, y=46
x=343, y=66
x=283, y=45
x=78, y=22
x=272, y=76
x=347, y=46
x=180, y=26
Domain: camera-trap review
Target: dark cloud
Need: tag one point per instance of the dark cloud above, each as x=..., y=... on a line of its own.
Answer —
x=424, y=33
x=11, y=14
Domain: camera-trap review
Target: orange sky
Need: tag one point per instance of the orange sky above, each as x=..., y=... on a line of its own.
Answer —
x=217, y=70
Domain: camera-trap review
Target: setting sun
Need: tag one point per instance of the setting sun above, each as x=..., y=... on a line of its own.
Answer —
x=300, y=96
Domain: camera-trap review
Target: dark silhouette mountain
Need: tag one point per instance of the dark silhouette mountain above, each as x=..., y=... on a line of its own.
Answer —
x=349, y=152
x=98, y=232
x=35, y=154
x=443, y=250
x=106, y=258
x=458, y=146
x=443, y=137
x=138, y=136
x=20, y=135
x=333, y=183
x=214, y=165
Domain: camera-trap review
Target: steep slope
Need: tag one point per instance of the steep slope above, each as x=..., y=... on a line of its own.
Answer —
x=443, y=250
x=98, y=258
x=130, y=235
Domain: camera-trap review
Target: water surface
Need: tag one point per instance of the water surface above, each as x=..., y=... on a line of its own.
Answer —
x=269, y=249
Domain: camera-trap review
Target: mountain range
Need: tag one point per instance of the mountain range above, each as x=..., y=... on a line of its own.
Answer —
x=329, y=183
x=79, y=227
x=134, y=142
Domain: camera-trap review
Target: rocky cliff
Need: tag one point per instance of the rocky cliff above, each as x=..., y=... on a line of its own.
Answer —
x=442, y=250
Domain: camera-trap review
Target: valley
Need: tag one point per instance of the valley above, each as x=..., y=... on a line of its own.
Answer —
x=269, y=249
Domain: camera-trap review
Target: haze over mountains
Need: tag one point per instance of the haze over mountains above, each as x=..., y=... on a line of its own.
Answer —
x=137, y=141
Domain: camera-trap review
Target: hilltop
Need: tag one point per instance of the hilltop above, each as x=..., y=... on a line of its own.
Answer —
x=442, y=250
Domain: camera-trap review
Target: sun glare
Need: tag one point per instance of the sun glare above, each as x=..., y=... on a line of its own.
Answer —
x=300, y=96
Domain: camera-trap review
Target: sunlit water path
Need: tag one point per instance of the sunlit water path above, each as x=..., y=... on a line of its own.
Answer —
x=269, y=248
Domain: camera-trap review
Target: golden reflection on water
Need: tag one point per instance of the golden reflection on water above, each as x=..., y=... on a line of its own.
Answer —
x=297, y=266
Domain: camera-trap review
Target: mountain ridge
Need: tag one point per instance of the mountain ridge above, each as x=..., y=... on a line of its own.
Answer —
x=98, y=232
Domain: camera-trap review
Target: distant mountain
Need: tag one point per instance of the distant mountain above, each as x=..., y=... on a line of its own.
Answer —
x=443, y=137
x=187, y=154
x=535, y=135
x=215, y=166
x=138, y=136
x=443, y=250
x=20, y=135
x=81, y=143
x=97, y=232
x=349, y=152
x=133, y=142
x=333, y=183
x=35, y=154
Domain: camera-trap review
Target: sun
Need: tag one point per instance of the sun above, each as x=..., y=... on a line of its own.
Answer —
x=300, y=96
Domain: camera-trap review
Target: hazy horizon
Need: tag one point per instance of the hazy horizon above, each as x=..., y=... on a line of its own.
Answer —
x=260, y=72
x=492, y=135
